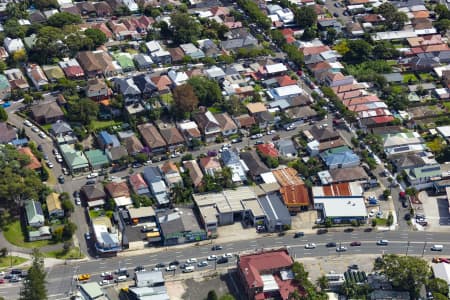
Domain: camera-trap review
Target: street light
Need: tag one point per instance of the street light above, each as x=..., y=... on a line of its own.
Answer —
x=407, y=248
x=424, y=247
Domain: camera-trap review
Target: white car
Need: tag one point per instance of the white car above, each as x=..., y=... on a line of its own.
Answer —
x=104, y=274
x=27, y=123
x=104, y=282
x=50, y=165
x=310, y=246
x=228, y=255
x=269, y=132
x=34, y=129
x=42, y=135
x=92, y=176
x=171, y=268
x=212, y=257
x=191, y=260
x=341, y=249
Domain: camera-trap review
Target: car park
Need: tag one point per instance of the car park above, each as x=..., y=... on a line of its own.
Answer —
x=310, y=246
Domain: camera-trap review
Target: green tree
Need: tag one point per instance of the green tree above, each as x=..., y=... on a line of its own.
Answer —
x=43, y=4
x=184, y=98
x=306, y=16
x=207, y=90
x=83, y=110
x=48, y=44
x=212, y=295
x=17, y=10
x=3, y=114
x=185, y=29
x=385, y=50
x=322, y=282
x=34, y=288
x=62, y=19
x=227, y=297
x=393, y=19
x=68, y=230
x=97, y=36
x=309, y=34
x=438, y=285
x=359, y=51
x=13, y=29
x=408, y=273
x=67, y=206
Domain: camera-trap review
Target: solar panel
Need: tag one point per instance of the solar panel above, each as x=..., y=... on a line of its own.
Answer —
x=38, y=208
x=402, y=148
x=435, y=168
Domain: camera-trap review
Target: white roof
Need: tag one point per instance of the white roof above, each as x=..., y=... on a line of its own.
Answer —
x=393, y=35
x=153, y=46
x=96, y=202
x=440, y=70
x=269, y=283
x=288, y=90
x=342, y=207
x=268, y=177
x=354, y=188
x=444, y=130
x=12, y=45
x=215, y=72
x=442, y=271
x=187, y=125
x=123, y=201
x=275, y=68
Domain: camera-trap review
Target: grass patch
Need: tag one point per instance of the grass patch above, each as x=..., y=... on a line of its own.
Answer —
x=381, y=222
x=51, y=178
x=47, y=127
x=99, y=125
x=167, y=98
x=8, y=261
x=13, y=234
x=215, y=110
x=73, y=253
x=96, y=213
x=426, y=77
x=391, y=62
x=409, y=77
x=446, y=105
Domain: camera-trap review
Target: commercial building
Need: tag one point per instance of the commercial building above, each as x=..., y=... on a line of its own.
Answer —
x=91, y=291
x=107, y=237
x=293, y=190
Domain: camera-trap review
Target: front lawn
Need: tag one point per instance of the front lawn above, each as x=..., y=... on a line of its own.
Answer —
x=409, y=78
x=9, y=261
x=73, y=253
x=100, y=125
x=13, y=234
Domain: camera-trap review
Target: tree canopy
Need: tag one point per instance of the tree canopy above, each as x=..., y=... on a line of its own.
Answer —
x=63, y=18
x=207, y=90
x=83, y=110
x=185, y=100
x=34, y=287
x=184, y=28
x=97, y=36
x=306, y=16
x=394, y=19
x=405, y=272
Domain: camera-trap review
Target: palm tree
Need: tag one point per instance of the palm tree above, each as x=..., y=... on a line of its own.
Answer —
x=322, y=282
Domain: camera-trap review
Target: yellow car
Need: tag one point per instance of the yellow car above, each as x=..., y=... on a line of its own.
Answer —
x=84, y=277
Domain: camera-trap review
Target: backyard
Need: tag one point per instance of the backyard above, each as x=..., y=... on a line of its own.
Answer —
x=13, y=234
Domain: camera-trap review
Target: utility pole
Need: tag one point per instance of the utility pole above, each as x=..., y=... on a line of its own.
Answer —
x=424, y=247
x=407, y=248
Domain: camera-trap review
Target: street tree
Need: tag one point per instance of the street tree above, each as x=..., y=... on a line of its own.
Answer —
x=34, y=287
x=212, y=295
x=185, y=99
x=408, y=273
x=13, y=29
x=322, y=282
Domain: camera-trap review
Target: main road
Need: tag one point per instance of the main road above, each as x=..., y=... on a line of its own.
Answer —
x=60, y=277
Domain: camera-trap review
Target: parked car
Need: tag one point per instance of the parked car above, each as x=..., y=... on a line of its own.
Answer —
x=34, y=129
x=228, y=255
x=202, y=264
x=160, y=265
x=235, y=141
x=175, y=263
x=136, y=165
x=50, y=164
x=92, y=176
x=42, y=135
x=90, y=181
x=27, y=123
x=65, y=171
x=191, y=260
x=61, y=179
x=87, y=235
x=171, y=268
x=299, y=234
x=212, y=257
x=222, y=260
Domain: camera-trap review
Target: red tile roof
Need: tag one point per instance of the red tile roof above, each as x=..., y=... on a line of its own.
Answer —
x=267, y=150
x=286, y=80
x=251, y=266
x=336, y=190
x=137, y=182
x=293, y=189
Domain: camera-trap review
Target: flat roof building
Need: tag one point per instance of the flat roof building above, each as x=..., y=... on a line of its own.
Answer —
x=342, y=210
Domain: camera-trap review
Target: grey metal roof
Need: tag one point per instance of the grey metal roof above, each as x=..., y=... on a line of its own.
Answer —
x=274, y=208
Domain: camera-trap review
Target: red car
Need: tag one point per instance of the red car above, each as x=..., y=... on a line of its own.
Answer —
x=2, y=280
x=353, y=244
x=108, y=277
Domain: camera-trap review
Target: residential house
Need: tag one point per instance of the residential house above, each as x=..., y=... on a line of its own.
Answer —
x=138, y=185
x=227, y=125
x=36, y=75
x=157, y=53
x=13, y=45
x=93, y=194
x=176, y=54
x=37, y=17
x=119, y=192
x=97, y=159
x=34, y=213
x=237, y=166
x=125, y=61
x=71, y=68
x=34, y=164
x=171, y=174
x=210, y=165
x=267, y=150
x=286, y=148
x=162, y=83
x=133, y=145
x=340, y=157
x=115, y=154
x=53, y=73
x=194, y=172
x=7, y=133
x=424, y=177
x=152, y=138
x=75, y=160
x=244, y=121
x=102, y=9
x=324, y=134
x=5, y=87
x=103, y=28
x=46, y=112
x=97, y=89
x=173, y=137
x=158, y=188
x=178, y=77
x=143, y=61
x=215, y=73
x=96, y=63
x=16, y=79
x=239, y=38
x=61, y=129
x=145, y=84
x=208, y=125
x=262, y=116
x=192, y=51
x=405, y=161
x=254, y=164
x=189, y=130
x=86, y=8
x=128, y=89
x=209, y=48
x=54, y=206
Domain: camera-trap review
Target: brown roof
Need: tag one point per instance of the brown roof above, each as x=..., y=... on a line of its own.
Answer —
x=225, y=122
x=177, y=54
x=117, y=189
x=314, y=50
x=323, y=133
x=256, y=107
x=210, y=162
x=331, y=144
x=245, y=120
x=152, y=138
x=348, y=174
x=194, y=172
x=337, y=190
x=34, y=162
x=133, y=144
x=286, y=80
x=162, y=82
x=47, y=110
x=172, y=136
x=169, y=167
x=102, y=27
x=293, y=189
x=88, y=62
x=102, y=8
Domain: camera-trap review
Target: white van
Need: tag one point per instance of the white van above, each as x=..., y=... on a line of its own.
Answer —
x=437, y=248
x=189, y=269
x=121, y=278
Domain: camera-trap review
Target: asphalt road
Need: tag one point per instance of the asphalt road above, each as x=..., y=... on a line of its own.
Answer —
x=60, y=277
